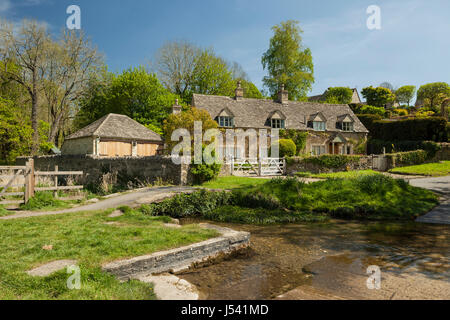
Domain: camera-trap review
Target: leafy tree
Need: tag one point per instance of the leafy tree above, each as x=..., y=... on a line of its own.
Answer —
x=433, y=94
x=212, y=76
x=15, y=133
x=299, y=138
x=387, y=85
x=25, y=48
x=339, y=95
x=185, y=120
x=288, y=62
x=378, y=97
x=405, y=94
x=134, y=93
x=185, y=69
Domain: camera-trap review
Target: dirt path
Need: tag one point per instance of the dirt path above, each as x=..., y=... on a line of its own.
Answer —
x=142, y=196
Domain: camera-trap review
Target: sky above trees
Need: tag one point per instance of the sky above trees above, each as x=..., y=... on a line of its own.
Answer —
x=411, y=47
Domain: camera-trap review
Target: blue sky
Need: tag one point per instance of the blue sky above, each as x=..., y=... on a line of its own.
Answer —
x=412, y=47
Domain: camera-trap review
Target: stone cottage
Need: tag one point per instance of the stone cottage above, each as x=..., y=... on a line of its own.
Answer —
x=114, y=135
x=332, y=128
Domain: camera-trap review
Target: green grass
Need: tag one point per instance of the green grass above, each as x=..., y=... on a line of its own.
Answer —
x=4, y=212
x=229, y=183
x=363, y=197
x=338, y=175
x=86, y=238
x=235, y=214
x=429, y=169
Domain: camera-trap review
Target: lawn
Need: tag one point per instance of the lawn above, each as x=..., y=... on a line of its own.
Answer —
x=428, y=169
x=87, y=238
x=229, y=183
x=338, y=175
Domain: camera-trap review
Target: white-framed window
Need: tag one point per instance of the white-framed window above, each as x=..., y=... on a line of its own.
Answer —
x=317, y=150
x=319, y=125
x=347, y=126
x=278, y=123
x=226, y=122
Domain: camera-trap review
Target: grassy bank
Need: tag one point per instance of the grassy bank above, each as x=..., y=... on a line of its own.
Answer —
x=337, y=175
x=87, y=238
x=428, y=169
x=229, y=183
x=371, y=197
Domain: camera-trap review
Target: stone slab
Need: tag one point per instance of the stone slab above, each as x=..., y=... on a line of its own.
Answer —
x=49, y=268
x=170, y=287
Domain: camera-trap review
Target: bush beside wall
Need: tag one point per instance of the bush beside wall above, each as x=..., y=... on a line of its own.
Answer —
x=375, y=146
x=400, y=159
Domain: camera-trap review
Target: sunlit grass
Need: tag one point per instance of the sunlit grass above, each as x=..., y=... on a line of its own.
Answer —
x=428, y=169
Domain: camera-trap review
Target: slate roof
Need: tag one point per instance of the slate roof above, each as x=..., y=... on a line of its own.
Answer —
x=254, y=113
x=117, y=126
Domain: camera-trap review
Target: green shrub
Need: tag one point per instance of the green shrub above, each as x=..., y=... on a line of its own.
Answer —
x=366, y=109
x=43, y=200
x=287, y=148
x=205, y=172
x=418, y=129
x=187, y=205
x=407, y=158
x=333, y=160
x=299, y=138
x=375, y=146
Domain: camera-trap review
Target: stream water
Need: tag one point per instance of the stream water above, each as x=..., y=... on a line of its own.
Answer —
x=284, y=257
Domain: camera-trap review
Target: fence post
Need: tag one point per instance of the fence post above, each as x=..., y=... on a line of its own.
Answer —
x=284, y=166
x=259, y=167
x=55, y=193
x=29, y=180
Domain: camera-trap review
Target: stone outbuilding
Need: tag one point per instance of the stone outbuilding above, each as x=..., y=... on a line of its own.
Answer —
x=114, y=135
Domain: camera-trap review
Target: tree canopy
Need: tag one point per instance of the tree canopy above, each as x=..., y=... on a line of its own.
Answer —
x=378, y=97
x=288, y=63
x=433, y=94
x=135, y=93
x=342, y=95
x=405, y=94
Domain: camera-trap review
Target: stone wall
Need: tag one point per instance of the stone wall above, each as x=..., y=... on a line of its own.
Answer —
x=78, y=146
x=298, y=164
x=444, y=153
x=135, y=170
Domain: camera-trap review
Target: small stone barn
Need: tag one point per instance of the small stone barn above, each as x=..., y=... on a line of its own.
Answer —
x=114, y=135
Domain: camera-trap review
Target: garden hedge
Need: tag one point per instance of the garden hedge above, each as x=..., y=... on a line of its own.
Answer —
x=407, y=158
x=368, y=119
x=375, y=146
x=333, y=160
x=419, y=129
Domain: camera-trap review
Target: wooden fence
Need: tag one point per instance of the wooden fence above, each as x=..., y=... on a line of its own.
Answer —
x=27, y=182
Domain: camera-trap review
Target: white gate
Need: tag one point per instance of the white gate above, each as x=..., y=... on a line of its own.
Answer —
x=258, y=167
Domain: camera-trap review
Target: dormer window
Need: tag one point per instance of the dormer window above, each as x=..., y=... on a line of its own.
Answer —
x=319, y=126
x=345, y=123
x=278, y=123
x=227, y=122
x=347, y=126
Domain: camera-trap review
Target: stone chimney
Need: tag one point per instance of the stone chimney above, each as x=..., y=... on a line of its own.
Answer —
x=176, y=109
x=239, y=91
x=283, y=95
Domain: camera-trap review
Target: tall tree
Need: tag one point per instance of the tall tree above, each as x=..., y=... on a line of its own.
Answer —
x=25, y=48
x=378, y=97
x=433, y=94
x=175, y=64
x=405, y=94
x=135, y=93
x=288, y=62
x=69, y=65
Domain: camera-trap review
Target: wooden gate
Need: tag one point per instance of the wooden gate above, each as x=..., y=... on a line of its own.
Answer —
x=21, y=180
x=258, y=167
